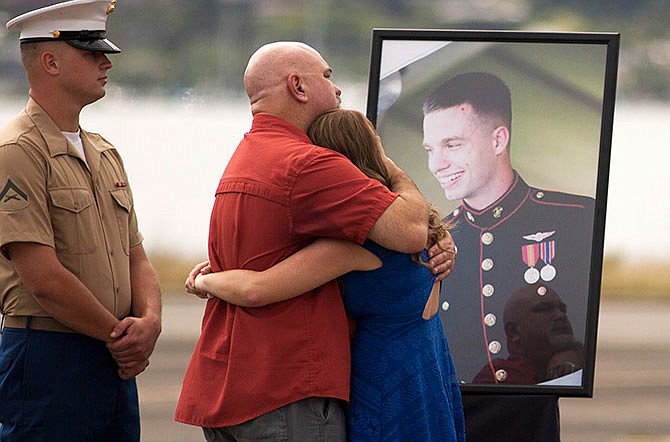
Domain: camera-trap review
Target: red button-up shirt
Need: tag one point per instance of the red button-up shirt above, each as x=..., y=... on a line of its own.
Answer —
x=278, y=193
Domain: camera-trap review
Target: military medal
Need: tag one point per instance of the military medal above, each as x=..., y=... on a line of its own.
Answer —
x=547, y=252
x=530, y=254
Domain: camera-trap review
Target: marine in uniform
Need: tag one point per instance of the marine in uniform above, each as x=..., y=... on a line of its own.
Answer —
x=81, y=323
x=528, y=237
x=509, y=236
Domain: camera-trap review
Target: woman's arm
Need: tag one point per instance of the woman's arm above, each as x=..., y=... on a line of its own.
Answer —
x=322, y=261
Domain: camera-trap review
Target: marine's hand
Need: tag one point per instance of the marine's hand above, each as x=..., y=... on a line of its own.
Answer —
x=134, y=341
x=442, y=257
x=130, y=371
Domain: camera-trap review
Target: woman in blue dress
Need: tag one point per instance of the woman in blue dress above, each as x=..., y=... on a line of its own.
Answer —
x=403, y=382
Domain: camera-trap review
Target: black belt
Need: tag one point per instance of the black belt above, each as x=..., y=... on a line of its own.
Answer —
x=34, y=323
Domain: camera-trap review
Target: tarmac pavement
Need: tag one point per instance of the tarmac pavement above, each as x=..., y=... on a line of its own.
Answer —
x=631, y=400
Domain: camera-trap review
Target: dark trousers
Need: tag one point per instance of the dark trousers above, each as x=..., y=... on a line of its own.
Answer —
x=63, y=387
x=511, y=418
x=313, y=419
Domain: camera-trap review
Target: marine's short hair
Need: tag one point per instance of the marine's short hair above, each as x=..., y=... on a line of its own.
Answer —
x=486, y=93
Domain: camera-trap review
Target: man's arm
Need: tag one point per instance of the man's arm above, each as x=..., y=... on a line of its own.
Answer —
x=60, y=292
x=135, y=336
x=403, y=226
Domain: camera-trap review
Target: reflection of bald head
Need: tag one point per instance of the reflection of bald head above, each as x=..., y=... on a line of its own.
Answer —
x=270, y=65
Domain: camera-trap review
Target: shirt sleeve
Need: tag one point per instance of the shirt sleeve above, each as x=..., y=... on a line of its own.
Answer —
x=333, y=198
x=24, y=212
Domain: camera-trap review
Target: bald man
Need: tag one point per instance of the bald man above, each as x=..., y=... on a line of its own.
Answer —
x=281, y=372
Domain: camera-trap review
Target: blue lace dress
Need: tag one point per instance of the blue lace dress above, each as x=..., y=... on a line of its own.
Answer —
x=403, y=383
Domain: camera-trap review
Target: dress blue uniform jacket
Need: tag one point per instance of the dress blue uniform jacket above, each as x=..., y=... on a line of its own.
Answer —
x=528, y=236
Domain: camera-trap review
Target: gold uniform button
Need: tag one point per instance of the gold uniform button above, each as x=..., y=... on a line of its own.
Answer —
x=488, y=290
x=541, y=290
x=445, y=306
x=487, y=264
x=490, y=320
x=501, y=375
x=495, y=347
x=487, y=238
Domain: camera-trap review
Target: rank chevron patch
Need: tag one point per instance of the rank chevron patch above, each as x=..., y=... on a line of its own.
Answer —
x=12, y=198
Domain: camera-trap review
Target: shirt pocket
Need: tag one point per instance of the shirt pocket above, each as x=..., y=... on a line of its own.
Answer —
x=73, y=220
x=122, y=208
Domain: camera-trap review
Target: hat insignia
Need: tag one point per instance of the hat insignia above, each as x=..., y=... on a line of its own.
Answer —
x=111, y=7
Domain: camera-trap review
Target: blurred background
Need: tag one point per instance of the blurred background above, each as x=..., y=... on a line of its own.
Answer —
x=176, y=108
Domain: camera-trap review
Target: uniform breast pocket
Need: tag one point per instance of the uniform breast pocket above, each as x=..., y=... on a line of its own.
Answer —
x=73, y=220
x=122, y=207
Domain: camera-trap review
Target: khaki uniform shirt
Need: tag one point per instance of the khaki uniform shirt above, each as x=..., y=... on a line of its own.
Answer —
x=84, y=210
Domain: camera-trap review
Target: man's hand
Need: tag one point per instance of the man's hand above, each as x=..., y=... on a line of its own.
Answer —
x=131, y=371
x=442, y=257
x=133, y=342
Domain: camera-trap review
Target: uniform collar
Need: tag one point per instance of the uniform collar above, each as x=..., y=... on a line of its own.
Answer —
x=56, y=142
x=501, y=209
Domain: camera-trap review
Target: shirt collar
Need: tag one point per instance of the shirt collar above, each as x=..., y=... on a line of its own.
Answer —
x=56, y=142
x=268, y=121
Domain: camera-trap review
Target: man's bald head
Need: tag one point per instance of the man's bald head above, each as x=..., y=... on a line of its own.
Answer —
x=269, y=66
x=290, y=80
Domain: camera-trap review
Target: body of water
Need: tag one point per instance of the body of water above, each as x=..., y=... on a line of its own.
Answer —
x=176, y=149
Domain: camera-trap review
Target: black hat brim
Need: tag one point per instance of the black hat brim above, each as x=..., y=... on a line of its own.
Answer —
x=97, y=45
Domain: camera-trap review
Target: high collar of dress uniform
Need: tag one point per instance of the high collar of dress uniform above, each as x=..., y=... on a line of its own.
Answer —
x=500, y=210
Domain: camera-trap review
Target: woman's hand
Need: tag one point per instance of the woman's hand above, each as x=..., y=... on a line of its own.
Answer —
x=190, y=285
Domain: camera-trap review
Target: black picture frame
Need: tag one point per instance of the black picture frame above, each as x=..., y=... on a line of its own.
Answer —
x=563, y=88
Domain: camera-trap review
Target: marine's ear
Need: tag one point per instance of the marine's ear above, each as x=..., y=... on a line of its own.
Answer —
x=500, y=139
x=49, y=62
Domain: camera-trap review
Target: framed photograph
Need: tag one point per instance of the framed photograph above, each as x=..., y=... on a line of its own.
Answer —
x=508, y=135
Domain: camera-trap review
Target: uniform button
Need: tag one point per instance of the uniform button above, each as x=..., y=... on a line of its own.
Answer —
x=445, y=306
x=501, y=375
x=490, y=319
x=495, y=347
x=541, y=290
x=470, y=216
x=487, y=238
x=488, y=290
x=487, y=264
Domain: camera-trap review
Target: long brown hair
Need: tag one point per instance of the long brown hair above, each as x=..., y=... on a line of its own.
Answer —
x=350, y=133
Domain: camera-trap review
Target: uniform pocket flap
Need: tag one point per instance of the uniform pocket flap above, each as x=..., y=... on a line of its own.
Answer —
x=122, y=198
x=73, y=200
